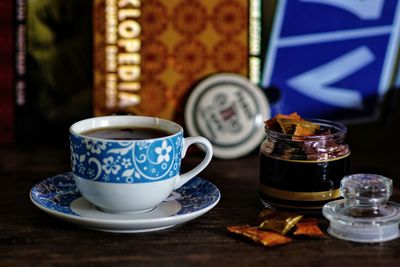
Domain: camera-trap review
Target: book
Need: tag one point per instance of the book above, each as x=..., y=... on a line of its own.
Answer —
x=6, y=72
x=53, y=60
x=149, y=54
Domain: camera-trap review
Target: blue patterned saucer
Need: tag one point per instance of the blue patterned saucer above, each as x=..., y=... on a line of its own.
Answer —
x=59, y=197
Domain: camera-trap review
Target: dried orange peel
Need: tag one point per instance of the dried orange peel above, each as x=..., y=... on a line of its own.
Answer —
x=308, y=227
x=265, y=238
x=280, y=223
x=292, y=124
x=306, y=128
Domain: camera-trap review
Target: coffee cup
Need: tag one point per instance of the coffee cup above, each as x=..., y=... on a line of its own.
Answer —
x=130, y=164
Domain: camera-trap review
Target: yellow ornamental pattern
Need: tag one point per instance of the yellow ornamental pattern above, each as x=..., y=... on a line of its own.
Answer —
x=150, y=53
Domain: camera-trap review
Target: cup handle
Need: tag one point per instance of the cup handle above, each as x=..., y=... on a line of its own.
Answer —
x=188, y=141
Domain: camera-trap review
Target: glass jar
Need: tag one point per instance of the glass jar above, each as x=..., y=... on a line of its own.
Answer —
x=303, y=172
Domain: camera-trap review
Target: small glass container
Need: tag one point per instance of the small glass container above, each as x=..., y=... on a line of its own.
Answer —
x=364, y=215
x=303, y=172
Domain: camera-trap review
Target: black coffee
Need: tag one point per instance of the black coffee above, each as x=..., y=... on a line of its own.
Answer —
x=126, y=133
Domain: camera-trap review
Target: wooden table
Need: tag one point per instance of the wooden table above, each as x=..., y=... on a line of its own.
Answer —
x=30, y=237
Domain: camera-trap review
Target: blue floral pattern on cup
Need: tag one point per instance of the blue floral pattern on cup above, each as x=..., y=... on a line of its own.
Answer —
x=126, y=161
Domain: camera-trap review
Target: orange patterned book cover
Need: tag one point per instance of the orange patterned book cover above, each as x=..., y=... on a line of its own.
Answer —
x=149, y=53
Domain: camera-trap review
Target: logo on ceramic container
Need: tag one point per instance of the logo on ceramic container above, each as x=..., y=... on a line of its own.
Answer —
x=226, y=114
x=229, y=111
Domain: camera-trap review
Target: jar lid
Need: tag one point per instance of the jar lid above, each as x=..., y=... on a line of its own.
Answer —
x=229, y=111
x=365, y=214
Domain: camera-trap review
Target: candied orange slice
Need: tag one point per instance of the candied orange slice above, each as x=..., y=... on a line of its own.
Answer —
x=306, y=128
x=284, y=123
x=266, y=238
x=288, y=126
x=292, y=116
x=308, y=227
x=292, y=124
x=273, y=124
x=278, y=221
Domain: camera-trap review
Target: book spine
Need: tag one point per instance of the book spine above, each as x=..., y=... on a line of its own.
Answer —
x=6, y=72
x=20, y=52
x=255, y=21
x=20, y=69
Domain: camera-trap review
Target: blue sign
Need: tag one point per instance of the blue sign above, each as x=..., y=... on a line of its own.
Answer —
x=397, y=84
x=332, y=59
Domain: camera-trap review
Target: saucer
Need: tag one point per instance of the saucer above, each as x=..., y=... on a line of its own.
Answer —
x=59, y=197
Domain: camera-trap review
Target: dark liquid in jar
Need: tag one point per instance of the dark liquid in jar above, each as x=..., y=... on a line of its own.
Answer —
x=300, y=184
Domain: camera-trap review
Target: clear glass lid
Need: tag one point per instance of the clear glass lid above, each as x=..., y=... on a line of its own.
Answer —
x=365, y=214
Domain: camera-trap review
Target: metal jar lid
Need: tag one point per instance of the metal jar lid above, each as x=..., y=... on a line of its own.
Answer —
x=230, y=111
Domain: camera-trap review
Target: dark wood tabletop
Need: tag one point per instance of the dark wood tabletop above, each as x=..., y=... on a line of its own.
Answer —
x=30, y=237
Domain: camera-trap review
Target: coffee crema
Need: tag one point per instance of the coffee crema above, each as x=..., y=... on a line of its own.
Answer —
x=126, y=133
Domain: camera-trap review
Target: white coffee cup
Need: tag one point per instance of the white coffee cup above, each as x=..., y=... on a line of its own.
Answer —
x=130, y=176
